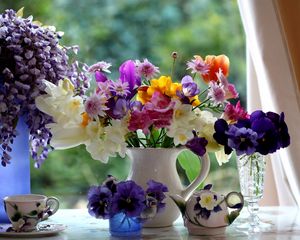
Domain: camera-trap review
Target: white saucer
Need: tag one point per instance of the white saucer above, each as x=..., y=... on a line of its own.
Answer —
x=43, y=231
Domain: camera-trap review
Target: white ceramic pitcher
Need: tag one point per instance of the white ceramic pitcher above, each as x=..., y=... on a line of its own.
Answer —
x=159, y=164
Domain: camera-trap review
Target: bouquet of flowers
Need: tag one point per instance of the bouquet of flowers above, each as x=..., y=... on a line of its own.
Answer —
x=142, y=110
x=127, y=198
x=30, y=53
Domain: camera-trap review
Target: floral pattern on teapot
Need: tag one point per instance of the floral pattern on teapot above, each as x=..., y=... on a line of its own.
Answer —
x=208, y=209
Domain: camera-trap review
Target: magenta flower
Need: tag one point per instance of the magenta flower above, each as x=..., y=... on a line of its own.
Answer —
x=95, y=105
x=197, y=65
x=160, y=110
x=140, y=120
x=146, y=69
x=234, y=113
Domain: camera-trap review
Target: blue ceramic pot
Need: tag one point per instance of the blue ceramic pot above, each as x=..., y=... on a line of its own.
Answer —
x=15, y=177
x=122, y=226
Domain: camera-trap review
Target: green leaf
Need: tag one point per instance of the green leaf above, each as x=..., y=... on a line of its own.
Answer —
x=190, y=163
x=33, y=213
x=16, y=217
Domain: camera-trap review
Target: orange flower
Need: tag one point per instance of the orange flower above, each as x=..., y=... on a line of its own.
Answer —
x=215, y=63
x=85, y=119
x=142, y=95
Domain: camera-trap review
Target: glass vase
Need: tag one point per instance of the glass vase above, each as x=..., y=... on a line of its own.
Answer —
x=15, y=177
x=121, y=225
x=251, y=170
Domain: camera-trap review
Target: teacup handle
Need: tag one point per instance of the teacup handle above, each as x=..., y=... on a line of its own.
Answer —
x=205, y=166
x=52, y=205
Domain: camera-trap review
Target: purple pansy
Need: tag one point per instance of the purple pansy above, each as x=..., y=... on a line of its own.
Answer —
x=197, y=145
x=99, y=202
x=220, y=135
x=157, y=190
x=243, y=140
x=128, y=199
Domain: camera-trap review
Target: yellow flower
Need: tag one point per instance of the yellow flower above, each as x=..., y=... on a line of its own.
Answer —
x=163, y=85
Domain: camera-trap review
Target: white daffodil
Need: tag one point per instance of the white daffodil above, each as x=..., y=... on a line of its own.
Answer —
x=208, y=201
x=205, y=122
x=222, y=157
x=60, y=102
x=109, y=142
x=182, y=125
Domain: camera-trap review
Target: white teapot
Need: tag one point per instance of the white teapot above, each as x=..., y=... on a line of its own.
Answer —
x=207, y=212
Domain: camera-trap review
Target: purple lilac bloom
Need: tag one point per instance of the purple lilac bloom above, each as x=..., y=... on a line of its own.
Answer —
x=189, y=87
x=220, y=135
x=197, y=145
x=146, y=69
x=243, y=140
x=129, y=199
x=157, y=190
x=99, y=202
x=30, y=53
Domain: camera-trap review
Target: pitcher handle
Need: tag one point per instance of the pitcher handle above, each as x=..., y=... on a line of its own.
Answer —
x=205, y=166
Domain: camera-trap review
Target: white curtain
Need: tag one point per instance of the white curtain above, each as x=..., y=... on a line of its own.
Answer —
x=273, y=85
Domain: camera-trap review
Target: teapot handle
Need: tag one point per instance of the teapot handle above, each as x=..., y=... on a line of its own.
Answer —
x=234, y=200
x=205, y=166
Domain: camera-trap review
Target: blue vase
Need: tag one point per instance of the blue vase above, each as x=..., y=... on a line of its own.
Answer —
x=15, y=177
x=122, y=226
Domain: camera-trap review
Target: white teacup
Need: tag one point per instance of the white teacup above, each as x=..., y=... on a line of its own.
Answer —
x=26, y=211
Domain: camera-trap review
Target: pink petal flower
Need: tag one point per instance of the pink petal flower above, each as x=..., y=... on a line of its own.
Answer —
x=95, y=105
x=233, y=113
x=146, y=69
x=140, y=120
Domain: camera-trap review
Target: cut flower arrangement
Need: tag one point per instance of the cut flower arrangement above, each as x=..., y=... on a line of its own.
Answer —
x=143, y=108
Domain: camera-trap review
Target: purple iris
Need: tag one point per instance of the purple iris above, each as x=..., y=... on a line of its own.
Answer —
x=99, y=201
x=128, y=74
x=197, y=145
x=157, y=190
x=243, y=140
x=129, y=199
x=100, y=77
x=189, y=87
x=220, y=135
x=117, y=108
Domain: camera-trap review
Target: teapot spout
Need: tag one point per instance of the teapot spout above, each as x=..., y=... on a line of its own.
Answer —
x=180, y=202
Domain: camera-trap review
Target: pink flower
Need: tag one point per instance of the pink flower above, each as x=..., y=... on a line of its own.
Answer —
x=100, y=67
x=221, y=90
x=120, y=89
x=95, y=105
x=233, y=113
x=140, y=120
x=160, y=110
x=197, y=65
x=146, y=69
x=216, y=92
